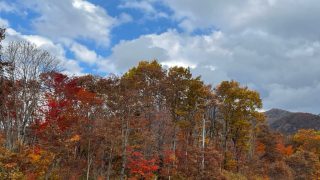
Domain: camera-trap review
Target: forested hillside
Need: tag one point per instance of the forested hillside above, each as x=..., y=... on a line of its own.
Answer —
x=149, y=123
x=289, y=123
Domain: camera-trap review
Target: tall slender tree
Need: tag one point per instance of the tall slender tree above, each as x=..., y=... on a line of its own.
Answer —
x=238, y=107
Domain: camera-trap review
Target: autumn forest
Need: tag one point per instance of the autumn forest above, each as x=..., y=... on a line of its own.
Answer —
x=151, y=122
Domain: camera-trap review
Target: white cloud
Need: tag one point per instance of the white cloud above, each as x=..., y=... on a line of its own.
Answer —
x=141, y=5
x=5, y=7
x=39, y=41
x=72, y=19
x=268, y=63
x=124, y=18
x=287, y=18
x=107, y=67
x=3, y=23
x=97, y=63
x=302, y=99
x=171, y=48
x=272, y=46
x=60, y=24
x=84, y=5
x=147, y=7
x=69, y=66
x=82, y=53
x=72, y=68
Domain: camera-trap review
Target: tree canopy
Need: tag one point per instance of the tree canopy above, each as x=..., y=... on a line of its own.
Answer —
x=149, y=123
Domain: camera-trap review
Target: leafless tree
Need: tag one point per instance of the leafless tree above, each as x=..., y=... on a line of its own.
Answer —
x=27, y=63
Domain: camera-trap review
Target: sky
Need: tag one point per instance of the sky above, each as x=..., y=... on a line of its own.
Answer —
x=272, y=46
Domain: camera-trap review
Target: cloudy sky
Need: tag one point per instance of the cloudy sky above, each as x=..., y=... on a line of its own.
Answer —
x=272, y=46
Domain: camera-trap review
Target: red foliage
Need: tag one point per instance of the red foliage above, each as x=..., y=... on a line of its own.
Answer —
x=169, y=157
x=36, y=150
x=141, y=167
x=61, y=99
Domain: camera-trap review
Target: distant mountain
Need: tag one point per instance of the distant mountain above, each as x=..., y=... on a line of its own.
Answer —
x=289, y=122
x=276, y=114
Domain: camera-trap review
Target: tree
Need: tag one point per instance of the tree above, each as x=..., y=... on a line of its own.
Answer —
x=238, y=109
x=146, y=110
x=140, y=167
x=305, y=165
x=280, y=170
x=70, y=127
x=27, y=62
x=2, y=35
x=149, y=123
x=308, y=139
x=176, y=95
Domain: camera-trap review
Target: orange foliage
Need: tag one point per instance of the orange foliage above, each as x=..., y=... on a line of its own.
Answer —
x=308, y=139
x=260, y=148
x=286, y=151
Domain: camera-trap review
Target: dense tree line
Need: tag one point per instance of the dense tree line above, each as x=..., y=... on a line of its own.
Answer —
x=150, y=123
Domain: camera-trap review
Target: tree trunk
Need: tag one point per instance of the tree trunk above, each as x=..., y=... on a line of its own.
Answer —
x=125, y=134
x=225, y=146
x=203, y=142
x=109, y=165
x=89, y=160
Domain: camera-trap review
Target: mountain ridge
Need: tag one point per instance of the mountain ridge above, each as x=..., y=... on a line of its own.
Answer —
x=288, y=122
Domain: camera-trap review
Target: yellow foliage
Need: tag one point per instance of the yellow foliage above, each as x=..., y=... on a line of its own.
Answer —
x=173, y=157
x=16, y=175
x=233, y=176
x=308, y=139
x=34, y=157
x=180, y=112
x=10, y=165
x=183, y=124
x=75, y=138
x=230, y=162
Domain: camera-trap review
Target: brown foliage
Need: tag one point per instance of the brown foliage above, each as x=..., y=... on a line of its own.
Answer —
x=149, y=123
